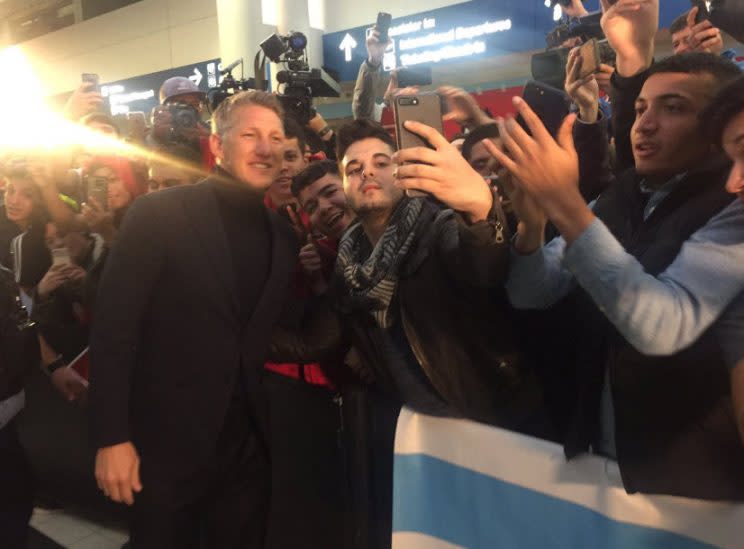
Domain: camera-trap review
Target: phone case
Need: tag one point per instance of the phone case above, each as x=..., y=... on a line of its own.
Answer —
x=428, y=110
x=589, y=54
x=551, y=105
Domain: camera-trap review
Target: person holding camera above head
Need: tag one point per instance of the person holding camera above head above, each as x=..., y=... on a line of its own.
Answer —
x=177, y=350
x=643, y=274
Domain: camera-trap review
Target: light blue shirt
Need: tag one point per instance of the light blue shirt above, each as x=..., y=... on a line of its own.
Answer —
x=659, y=315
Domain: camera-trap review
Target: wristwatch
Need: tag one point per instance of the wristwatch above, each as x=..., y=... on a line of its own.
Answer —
x=325, y=131
x=58, y=363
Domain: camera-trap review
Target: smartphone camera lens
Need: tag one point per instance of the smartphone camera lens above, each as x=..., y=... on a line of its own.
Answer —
x=414, y=101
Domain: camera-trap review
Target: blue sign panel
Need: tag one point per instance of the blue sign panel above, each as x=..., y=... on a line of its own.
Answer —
x=477, y=29
x=141, y=92
x=471, y=30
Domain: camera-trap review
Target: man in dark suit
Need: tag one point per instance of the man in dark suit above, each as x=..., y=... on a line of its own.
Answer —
x=194, y=284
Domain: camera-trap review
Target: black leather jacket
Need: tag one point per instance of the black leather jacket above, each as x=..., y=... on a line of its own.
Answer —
x=454, y=315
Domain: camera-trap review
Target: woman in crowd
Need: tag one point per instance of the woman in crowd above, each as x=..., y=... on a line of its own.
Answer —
x=124, y=180
x=22, y=225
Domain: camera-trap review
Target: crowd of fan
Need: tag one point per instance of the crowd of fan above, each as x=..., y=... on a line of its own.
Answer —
x=586, y=287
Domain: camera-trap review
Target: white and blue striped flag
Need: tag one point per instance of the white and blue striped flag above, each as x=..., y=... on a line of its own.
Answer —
x=460, y=484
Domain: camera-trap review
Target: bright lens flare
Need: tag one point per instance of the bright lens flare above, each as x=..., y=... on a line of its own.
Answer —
x=31, y=126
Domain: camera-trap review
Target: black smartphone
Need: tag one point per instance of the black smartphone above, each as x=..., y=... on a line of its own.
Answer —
x=550, y=104
x=414, y=76
x=93, y=79
x=702, y=13
x=728, y=15
x=383, y=25
x=425, y=108
x=98, y=189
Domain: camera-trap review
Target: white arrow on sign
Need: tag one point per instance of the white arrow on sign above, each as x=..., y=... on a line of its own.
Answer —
x=196, y=77
x=348, y=44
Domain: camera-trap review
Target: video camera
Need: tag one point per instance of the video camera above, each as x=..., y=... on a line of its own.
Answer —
x=549, y=67
x=299, y=82
x=182, y=117
x=229, y=85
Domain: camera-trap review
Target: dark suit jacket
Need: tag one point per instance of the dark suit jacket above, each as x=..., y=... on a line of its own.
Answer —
x=166, y=343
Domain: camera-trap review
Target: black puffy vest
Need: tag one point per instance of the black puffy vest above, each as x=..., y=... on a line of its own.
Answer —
x=674, y=424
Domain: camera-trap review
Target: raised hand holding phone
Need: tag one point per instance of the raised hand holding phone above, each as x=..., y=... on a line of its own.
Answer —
x=440, y=170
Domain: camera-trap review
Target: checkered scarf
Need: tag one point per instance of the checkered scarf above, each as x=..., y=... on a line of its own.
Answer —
x=371, y=282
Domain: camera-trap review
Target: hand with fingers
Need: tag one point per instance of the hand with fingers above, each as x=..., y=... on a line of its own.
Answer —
x=574, y=9
x=394, y=91
x=584, y=92
x=84, y=100
x=604, y=78
x=296, y=221
x=463, y=108
x=312, y=264
x=443, y=173
x=546, y=168
x=704, y=37
x=376, y=49
x=117, y=472
x=96, y=216
x=630, y=27
x=310, y=258
x=531, y=216
x=53, y=279
x=70, y=384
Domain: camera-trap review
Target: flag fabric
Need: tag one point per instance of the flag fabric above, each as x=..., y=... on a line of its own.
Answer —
x=460, y=484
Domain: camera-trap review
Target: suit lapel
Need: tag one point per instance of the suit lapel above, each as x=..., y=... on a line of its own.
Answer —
x=204, y=217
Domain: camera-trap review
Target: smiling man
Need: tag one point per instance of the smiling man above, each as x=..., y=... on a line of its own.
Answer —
x=644, y=274
x=176, y=350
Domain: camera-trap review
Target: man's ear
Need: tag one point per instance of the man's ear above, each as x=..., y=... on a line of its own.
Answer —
x=215, y=145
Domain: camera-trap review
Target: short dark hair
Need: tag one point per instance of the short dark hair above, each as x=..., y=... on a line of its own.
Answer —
x=351, y=132
x=721, y=69
x=680, y=23
x=726, y=105
x=313, y=172
x=478, y=134
x=293, y=130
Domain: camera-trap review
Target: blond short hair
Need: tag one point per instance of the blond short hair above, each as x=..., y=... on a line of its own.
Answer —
x=222, y=119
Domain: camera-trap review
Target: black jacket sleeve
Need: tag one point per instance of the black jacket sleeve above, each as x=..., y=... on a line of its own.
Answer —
x=317, y=337
x=592, y=146
x=128, y=282
x=477, y=254
x=625, y=91
x=55, y=320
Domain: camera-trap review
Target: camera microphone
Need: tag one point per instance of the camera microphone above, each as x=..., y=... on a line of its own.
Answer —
x=231, y=66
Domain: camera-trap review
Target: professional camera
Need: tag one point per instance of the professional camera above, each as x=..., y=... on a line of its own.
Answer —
x=183, y=117
x=299, y=82
x=586, y=28
x=229, y=85
x=549, y=67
